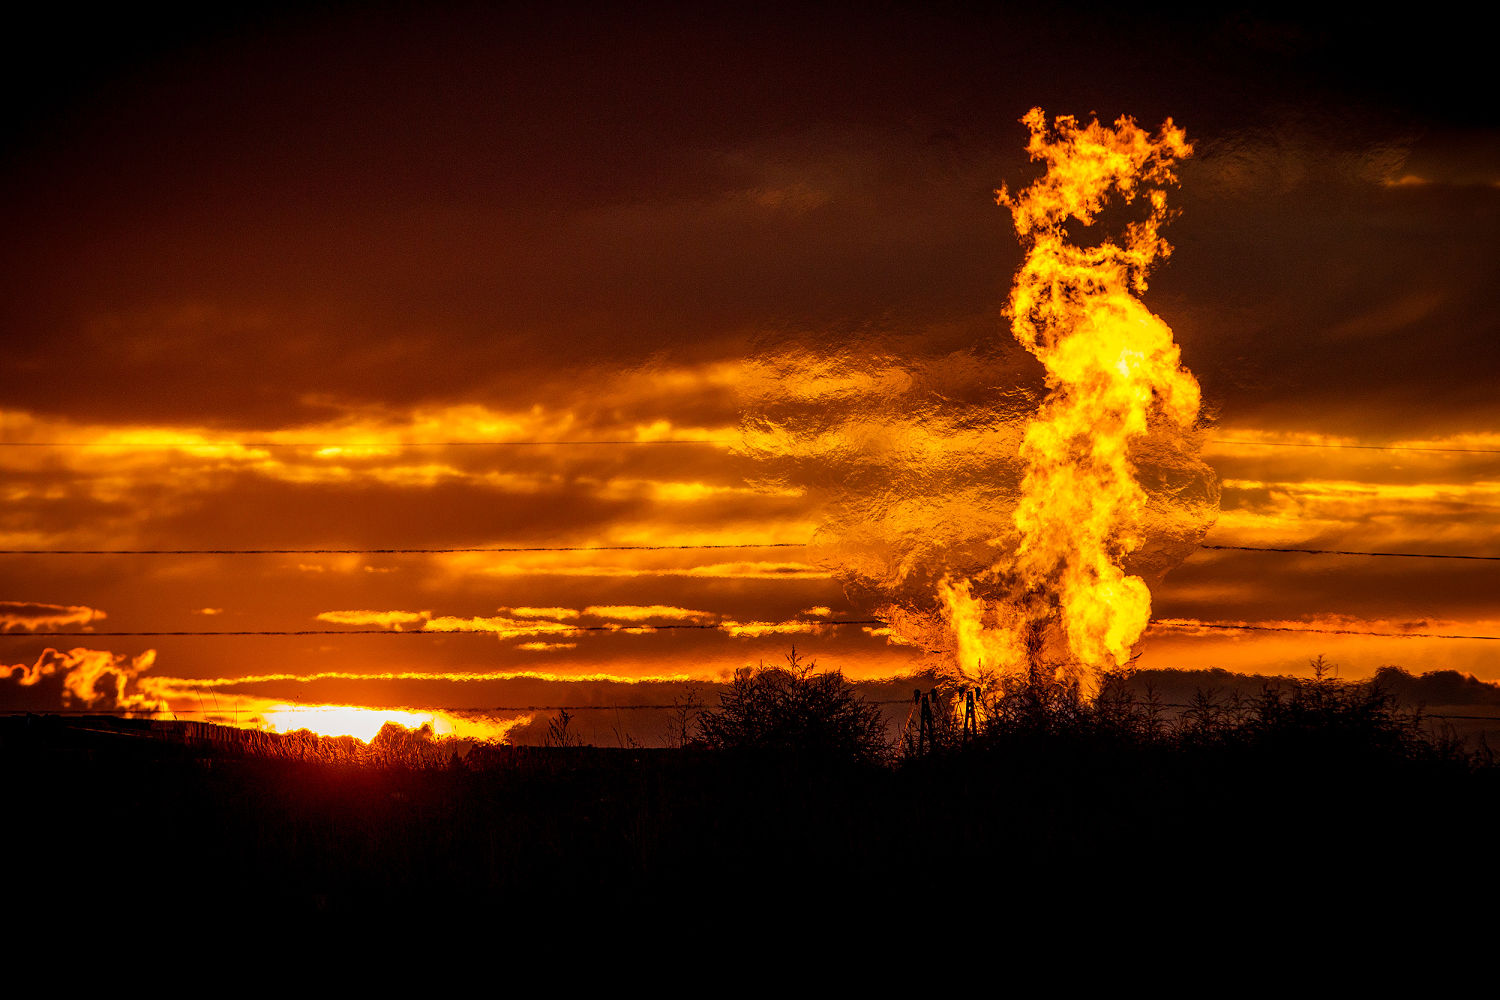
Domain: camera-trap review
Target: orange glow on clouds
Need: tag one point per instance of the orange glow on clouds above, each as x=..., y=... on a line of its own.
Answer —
x=379, y=619
x=638, y=612
x=183, y=687
x=33, y=616
x=93, y=678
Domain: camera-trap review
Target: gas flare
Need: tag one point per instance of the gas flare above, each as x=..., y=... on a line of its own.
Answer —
x=1114, y=376
x=998, y=526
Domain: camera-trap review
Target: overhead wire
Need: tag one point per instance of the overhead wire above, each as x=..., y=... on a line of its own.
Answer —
x=1229, y=626
x=1361, y=447
x=176, y=445
x=1347, y=552
x=555, y=628
x=450, y=710
x=615, y=442
x=419, y=551
x=552, y=628
x=682, y=547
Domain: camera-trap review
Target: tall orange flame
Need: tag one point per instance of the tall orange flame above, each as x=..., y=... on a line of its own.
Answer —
x=995, y=529
x=1113, y=373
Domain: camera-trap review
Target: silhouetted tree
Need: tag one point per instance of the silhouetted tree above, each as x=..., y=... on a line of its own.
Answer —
x=795, y=709
x=686, y=709
x=1326, y=715
x=557, y=731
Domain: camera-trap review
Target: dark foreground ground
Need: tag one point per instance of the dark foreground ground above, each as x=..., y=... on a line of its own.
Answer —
x=1036, y=826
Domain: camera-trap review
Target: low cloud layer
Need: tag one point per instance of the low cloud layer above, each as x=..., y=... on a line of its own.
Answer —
x=80, y=678
x=33, y=616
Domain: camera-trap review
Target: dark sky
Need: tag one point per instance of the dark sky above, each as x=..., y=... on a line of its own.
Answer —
x=456, y=192
x=400, y=223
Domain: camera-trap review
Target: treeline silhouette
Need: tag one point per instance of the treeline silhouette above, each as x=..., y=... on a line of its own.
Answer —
x=1311, y=721
x=788, y=793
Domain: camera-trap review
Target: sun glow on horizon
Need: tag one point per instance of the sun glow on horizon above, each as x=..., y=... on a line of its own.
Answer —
x=346, y=720
x=364, y=723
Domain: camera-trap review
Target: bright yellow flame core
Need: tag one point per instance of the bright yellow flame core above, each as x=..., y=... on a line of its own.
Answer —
x=1113, y=374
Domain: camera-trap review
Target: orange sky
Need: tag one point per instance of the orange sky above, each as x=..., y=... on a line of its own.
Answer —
x=257, y=273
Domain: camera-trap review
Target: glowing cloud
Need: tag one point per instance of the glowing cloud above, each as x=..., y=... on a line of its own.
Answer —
x=640, y=612
x=753, y=629
x=90, y=678
x=31, y=615
x=557, y=614
x=380, y=619
x=504, y=628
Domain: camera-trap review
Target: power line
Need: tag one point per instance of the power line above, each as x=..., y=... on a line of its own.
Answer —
x=129, y=714
x=634, y=548
x=1228, y=707
x=1364, y=447
x=553, y=628
x=1488, y=718
x=175, y=445
x=467, y=710
x=1224, y=626
x=629, y=442
x=432, y=551
x=1344, y=552
x=559, y=629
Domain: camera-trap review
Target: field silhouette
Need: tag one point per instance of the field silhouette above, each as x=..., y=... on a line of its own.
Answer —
x=785, y=792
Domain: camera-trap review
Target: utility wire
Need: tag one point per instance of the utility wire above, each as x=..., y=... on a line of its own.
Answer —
x=433, y=551
x=1344, y=552
x=135, y=713
x=706, y=627
x=1364, y=447
x=552, y=628
x=469, y=710
x=173, y=445
x=633, y=548
x=1327, y=631
x=168, y=446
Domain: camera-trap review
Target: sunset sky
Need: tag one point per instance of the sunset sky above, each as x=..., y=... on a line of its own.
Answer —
x=261, y=272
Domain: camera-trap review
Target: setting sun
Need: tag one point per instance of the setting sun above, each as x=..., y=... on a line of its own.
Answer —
x=346, y=720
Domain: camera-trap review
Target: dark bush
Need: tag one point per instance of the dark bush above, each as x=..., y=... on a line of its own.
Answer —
x=1300, y=719
x=1328, y=716
x=795, y=709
